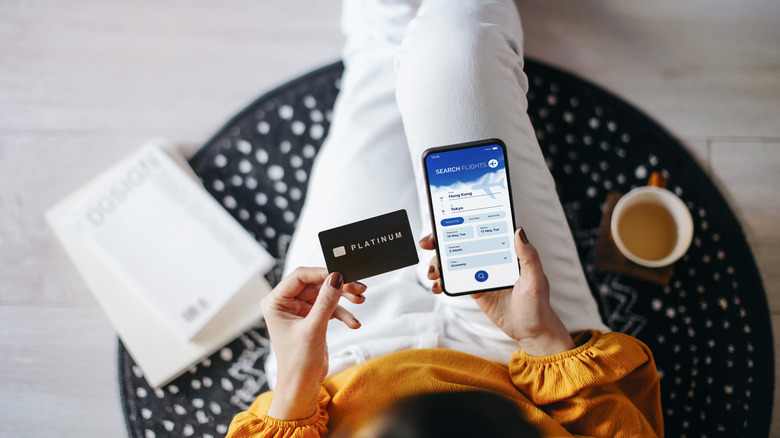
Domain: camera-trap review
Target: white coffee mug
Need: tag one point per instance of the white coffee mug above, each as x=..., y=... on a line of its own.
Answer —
x=651, y=226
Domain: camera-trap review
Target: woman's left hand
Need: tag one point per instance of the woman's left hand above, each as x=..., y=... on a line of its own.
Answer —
x=297, y=313
x=523, y=312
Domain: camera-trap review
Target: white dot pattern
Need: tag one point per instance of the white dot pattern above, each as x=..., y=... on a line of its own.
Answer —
x=707, y=328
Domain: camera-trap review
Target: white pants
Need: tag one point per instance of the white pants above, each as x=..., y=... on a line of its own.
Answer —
x=421, y=74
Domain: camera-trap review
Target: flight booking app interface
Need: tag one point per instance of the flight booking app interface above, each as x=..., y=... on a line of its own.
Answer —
x=472, y=210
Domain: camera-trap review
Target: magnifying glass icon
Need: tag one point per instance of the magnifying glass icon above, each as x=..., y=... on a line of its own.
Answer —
x=481, y=276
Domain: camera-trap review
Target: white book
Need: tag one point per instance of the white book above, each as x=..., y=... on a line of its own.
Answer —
x=149, y=258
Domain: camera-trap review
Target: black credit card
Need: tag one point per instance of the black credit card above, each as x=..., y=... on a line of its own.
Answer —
x=370, y=247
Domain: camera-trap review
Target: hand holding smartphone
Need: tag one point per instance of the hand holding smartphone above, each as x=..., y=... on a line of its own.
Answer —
x=470, y=200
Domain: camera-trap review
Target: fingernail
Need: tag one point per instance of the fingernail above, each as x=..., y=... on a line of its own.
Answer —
x=523, y=237
x=425, y=239
x=431, y=269
x=336, y=280
x=360, y=296
x=361, y=284
x=356, y=322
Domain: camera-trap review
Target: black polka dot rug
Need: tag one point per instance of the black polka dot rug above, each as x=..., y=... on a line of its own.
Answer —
x=709, y=328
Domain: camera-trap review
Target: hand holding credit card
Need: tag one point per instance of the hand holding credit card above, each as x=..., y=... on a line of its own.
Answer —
x=370, y=247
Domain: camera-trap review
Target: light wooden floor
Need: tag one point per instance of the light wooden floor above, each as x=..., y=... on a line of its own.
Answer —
x=82, y=82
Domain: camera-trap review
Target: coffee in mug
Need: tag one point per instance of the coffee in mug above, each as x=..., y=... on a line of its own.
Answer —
x=651, y=226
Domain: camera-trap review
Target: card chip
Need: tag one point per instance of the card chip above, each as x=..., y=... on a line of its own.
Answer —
x=339, y=251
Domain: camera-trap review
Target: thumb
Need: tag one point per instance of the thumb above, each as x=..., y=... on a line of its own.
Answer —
x=530, y=264
x=327, y=300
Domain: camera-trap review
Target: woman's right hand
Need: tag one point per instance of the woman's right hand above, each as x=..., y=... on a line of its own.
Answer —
x=523, y=312
x=297, y=313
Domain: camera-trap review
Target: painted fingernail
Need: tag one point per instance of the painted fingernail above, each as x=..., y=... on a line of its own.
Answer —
x=523, y=237
x=361, y=284
x=426, y=238
x=360, y=296
x=356, y=322
x=336, y=280
x=431, y=268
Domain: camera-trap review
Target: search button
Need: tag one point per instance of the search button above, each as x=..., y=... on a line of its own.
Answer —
x=481, y=276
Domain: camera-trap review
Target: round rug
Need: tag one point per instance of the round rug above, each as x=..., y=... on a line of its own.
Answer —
x=709, y=328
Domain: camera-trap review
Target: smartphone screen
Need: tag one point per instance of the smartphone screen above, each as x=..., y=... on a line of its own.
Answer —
x=473, y=217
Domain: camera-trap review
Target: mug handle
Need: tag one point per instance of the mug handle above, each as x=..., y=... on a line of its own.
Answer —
x=657, y=180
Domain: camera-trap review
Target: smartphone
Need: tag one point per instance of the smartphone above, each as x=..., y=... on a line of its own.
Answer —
x=470, y=198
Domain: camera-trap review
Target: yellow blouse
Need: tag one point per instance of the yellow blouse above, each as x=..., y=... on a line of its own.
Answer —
x=606, y=387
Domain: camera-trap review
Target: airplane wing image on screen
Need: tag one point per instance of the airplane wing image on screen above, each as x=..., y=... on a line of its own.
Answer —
x=485, y=186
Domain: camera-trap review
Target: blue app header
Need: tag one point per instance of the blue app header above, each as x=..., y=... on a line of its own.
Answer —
x=463, y=165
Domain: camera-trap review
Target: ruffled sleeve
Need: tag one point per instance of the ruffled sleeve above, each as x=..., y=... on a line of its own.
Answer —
x=256, y=424
x=607, y=386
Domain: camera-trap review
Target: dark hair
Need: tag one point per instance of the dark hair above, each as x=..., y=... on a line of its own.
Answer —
x=456, y=414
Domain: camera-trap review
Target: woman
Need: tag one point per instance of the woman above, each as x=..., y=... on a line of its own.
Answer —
x=418, y=75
